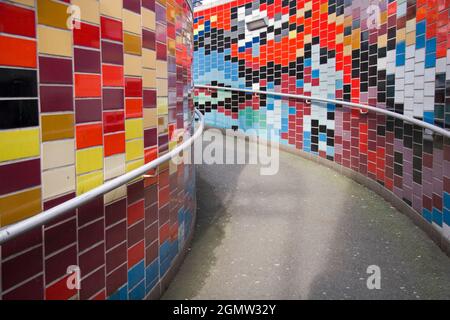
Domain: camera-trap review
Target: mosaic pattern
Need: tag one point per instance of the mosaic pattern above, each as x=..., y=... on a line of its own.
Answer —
x=336, y=49
x=78, y=108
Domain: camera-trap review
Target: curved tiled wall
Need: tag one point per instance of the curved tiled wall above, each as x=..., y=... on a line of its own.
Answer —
x=78, y=108
x=390, y=54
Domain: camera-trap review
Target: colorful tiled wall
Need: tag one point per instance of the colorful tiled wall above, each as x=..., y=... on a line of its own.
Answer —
x=392, y=54
x=79, y=107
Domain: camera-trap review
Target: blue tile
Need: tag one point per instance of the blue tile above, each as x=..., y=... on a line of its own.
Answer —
x=136, y=274
x=138, y=293
x=121, y=294
x=437, y=217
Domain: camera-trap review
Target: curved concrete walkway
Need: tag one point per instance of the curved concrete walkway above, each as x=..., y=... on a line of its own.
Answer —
x=305, y=233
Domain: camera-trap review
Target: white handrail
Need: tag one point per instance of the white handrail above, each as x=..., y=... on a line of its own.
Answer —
x=420, y=123
x=9, y=232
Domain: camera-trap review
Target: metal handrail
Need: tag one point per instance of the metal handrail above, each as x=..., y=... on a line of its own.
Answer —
x=420, y=123
x=9, y=232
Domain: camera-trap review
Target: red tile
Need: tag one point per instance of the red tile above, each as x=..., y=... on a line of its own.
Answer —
x=114, y=144
x=135, y=212
x=113, y=121
x=89, y=135
x=87, y=36
x=133, y=87
x=18, y=52
x=17, y=20
x=136, y=254
x=87, y=85
x=133, y=108
x=111, y=29
x=60, y=290
x=112, y=76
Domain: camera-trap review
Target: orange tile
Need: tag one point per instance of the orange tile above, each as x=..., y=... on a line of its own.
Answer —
x=17, y=52
x=87, y=85
x=89, y=135
x=114, y=144
x=133, y=108
x=112, y=76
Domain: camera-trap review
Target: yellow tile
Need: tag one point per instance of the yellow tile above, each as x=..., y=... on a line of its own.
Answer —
x=54, y=42
x=134, y=165
x=112, y=8
x=132, y=44
x=213, y=18
x=171, y=47
x=88, y=160
x=57, y=126
x=114, y=166
x=134, y=149
x=292, y=34
x=133, y=65
x=162, y=87
x=134, y=128
x=90, y=10
x=18, y=144
x=58, y=181
x=163, y=126
x=148, y=58
x=58, y=153
x=19, y=206
x=148, y=19
x=149, y=78
x=150, y=118
x=161, y=69
x=52, y=13
x=116, y=194
x=131, y=22
x=89, y=181
x=162, y=105
x=29, y=3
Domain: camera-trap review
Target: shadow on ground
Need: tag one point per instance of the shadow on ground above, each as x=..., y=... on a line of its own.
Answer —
x=304, y=233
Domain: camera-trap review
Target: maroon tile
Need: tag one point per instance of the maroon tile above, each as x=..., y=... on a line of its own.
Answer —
x=93, y=284
x=163, y=142
x=116, y=257
x=57, y=201
x=90, y=211
x=31, y=290
x=116, y=280
x=148, y=39
x=113, y=99
x=92, y=259
x=132, y=5
x=150, y=137
x=115, y=212
x=55, y=70
x=56, y=98
x=21, y=268
x=136, y=233
x=151, y=214
x=91, y=235
x=161, y=51
x=151, y=195
x=112, y=53
x=88, y=110
x=20, y=175
x=135, y=191
x=149, y=98
x=24, y=241
x=60, y=236
x=164, y=214
x=56, y=266
x=151, y=234
x=86, y=60
x=151, y=253
x=149, y=4
x=116, y=235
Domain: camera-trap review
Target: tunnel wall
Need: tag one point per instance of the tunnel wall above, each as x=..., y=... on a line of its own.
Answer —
x=390, y=54
x=79, y=107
